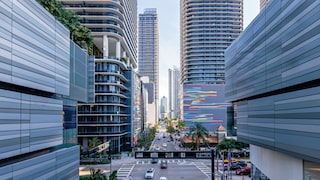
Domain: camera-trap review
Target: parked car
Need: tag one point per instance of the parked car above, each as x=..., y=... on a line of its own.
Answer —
x=243, y=171
x=163, y=164
x=154, y=160
x=149, y=174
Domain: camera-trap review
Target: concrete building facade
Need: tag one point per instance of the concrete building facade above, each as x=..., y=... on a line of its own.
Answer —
x=272, y=78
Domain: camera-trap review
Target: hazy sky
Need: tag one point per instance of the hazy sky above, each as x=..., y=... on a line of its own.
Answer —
x=169, y=35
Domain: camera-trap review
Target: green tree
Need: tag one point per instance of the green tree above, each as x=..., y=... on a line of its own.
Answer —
x=198, y=133
x=94, y=142
x=231, y=143
x=181, y=125
x=97, y=174
x=170, y=129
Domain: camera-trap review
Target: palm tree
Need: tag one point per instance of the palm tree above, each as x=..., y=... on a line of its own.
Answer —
x=198, y=132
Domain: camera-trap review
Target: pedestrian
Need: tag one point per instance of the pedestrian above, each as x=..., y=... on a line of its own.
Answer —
x=129, y=178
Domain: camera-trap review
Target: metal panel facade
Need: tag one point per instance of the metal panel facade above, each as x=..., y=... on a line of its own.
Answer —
x=34, y=48
x=272, y=75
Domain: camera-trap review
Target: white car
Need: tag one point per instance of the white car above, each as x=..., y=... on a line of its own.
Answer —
x=163, y=178
x=157, y=148
x=149, y=174
x=164, y=145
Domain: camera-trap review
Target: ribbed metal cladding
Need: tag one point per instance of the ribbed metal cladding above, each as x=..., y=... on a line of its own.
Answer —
x=272, y=76
x=207, y=28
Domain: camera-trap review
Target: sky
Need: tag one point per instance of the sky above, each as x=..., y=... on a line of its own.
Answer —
x=169, y=33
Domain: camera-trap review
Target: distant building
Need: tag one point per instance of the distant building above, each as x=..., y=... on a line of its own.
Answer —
x=148, y=50
x=207, y=28
x=163, y=107
x=273, y=81
x=150, y=118
x=174, y=93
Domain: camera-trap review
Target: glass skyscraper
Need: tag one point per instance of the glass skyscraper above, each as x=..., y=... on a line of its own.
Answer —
x=149, y=50
x=207, y=28
x=114, y=26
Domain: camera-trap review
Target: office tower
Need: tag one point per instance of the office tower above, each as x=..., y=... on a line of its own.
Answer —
x=163, y=107
x=148, y=50
x=263, y=4
x=272, y=78
x=39, y=75
x=174, y=95
x=114, y=27
x=207, y=28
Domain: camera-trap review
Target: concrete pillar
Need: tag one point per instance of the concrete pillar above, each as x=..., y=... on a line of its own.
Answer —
x=118, y=50
x=85, y=144
x=105, y=47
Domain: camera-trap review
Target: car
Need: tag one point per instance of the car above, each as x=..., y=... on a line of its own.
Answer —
x=154, y=160
x=149, y=174
x=163, y=178
x=232, y=160
x=243, y=171
x=237, y=165
x=158, y=138
x=164, y=145
x=157, y=148
x=163, y=164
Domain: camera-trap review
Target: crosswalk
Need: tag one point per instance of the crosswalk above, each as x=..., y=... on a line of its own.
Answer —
x=203, y=168
x=125, y=170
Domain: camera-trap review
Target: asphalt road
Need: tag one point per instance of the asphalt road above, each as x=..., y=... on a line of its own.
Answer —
x=175, y=171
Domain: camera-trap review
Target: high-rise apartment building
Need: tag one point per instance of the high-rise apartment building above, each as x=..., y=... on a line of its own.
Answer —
x=113, y=24
x=174, y=93
x=207, y=28
x=263, y=4
x=273, y=80
x=148, y=50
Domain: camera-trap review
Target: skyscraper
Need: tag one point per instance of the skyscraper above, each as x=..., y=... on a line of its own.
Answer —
x=174, y=93
x=207, y=28
x=163, y=107
x=114, y=26
x=148, y=50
